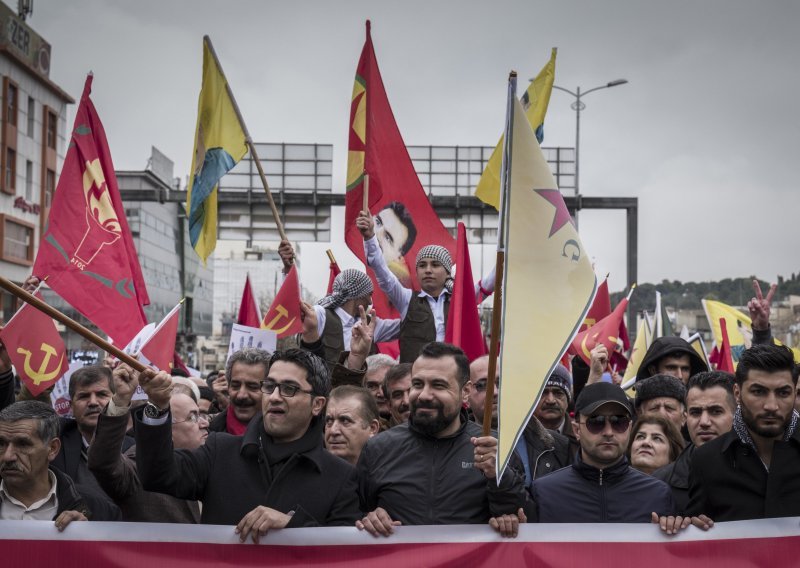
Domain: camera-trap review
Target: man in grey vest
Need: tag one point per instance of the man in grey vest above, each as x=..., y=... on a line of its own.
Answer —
x=424, y=312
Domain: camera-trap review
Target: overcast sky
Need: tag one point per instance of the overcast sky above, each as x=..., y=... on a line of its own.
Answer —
x=706, y=134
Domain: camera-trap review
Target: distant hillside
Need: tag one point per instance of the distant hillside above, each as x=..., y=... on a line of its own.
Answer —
x=687, y=295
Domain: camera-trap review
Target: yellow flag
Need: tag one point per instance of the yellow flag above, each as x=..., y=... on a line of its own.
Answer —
x=640, y=347
x=534, y=101
x=219, y=143
x=548, y=288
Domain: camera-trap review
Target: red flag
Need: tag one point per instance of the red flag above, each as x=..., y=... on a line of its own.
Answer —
x=177, y=363
x=405, y=220
x=87, y=251
x=35, y=348
x=283, y=316
x=160, y=347
x=463, y=327
x=606, y=331
x=601, y=307
x=248, y=309
x=334, y=272
x=725, y=357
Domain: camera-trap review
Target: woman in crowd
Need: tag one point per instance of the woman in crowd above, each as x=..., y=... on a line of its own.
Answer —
x=655, y=442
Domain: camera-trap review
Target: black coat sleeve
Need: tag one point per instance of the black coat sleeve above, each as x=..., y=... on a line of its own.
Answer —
x=6, y=389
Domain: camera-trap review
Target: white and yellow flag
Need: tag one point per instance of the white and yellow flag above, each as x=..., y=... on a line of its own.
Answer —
x=548, y=284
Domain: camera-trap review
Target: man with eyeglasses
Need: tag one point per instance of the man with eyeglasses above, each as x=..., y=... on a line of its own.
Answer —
x=601, y=487
x=116, y=472
x=276, y=475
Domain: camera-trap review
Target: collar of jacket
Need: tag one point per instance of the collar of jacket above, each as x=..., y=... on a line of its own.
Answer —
x=68, y=496
x=731, y=437
x=255, y=430
x=536, y=432
x=611, y=474
x=463, y=416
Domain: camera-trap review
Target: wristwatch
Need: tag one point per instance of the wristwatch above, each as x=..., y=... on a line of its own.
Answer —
x=154, y=412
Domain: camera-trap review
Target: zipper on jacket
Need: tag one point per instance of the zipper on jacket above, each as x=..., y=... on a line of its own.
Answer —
x=431, y=486
x=601, y=478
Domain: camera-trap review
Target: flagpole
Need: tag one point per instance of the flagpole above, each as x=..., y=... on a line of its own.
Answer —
x=365, y=196
x=70, y=323
x=249, y=141
x=331, y=258
x=505, y=182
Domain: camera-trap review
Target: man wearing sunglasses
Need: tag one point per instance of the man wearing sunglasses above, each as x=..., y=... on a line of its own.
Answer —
x=276, y=475
x=601, y=487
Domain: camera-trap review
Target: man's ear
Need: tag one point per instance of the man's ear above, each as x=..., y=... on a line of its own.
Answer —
x=466, y=390
x=318, y=405
x=374, y=427
x=53, y=447
x=576, y=429
x=737, y=393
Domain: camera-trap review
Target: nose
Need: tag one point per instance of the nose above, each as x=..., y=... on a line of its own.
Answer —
x=9, y=454
x=333, y=428
x=93, y=400
x=548, y=397
x=275, y=395
x=705, y=419
x=203, y=422
x=405, y=398
x=425, y=393
x=771, y=404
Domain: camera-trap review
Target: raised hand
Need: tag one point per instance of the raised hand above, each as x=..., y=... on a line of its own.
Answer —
x=760, y=307
x=126, y=379
x=286, y=252
x=598, y=363
x=366, y=225
x=310, y=322
x=157, y=386
x=30, y=284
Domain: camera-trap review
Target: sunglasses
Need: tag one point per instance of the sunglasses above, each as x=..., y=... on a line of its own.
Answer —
x=596, y=424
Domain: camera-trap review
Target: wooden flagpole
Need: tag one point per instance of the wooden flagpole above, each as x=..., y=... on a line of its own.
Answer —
x=29, y=298
x=249, y=142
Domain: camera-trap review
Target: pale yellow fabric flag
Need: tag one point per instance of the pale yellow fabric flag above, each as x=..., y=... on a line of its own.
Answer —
x=640, y=347
x=534, y=102
x=548, y=287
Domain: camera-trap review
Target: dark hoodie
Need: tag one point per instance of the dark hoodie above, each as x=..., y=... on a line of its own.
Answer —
x=664, y=346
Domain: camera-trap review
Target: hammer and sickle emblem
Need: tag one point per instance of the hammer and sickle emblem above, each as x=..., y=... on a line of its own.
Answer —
x=584, y=348
x=40, y=376
x=282, y=313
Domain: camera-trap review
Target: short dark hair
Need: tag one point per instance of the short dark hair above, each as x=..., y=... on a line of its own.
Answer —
x=673, y=435
x=47, y=422
x=405, y=218
x=711, y=379
x=178, y=372
x=206, y=394
x=317, y=373
x=369, y=408
x=247, y=356
x=395, y=374
x=439, y=349
x=87, y=376
x=766, y=357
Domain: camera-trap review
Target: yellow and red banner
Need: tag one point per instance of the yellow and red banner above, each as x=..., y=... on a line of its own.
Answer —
x=87, y=253
x=35, y=348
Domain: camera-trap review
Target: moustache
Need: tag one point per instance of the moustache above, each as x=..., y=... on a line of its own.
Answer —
x=243, y=402
x=10, y=466
x=430, y=405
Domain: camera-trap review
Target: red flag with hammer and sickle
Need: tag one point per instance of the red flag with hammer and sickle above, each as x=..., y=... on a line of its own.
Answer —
x=283, y=316
x=605, y=332
x=35, y=348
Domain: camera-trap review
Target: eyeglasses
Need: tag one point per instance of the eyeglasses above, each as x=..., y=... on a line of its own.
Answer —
x=286, y=390
x=480, y=386
x=193, y=418
x=596, y=424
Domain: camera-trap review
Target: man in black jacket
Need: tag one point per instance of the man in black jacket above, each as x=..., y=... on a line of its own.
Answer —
x=30, y=488
x=276, y=475
x=753, y=471
x=436, y=469
x=600, y=487
x=709, y=409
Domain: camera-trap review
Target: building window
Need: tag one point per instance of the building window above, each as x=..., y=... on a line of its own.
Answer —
x=52, y=130
x=17, y=239
x=29, y=180
x=11, y=169
x=31, y=116
x=11, y=104
x=49, y=188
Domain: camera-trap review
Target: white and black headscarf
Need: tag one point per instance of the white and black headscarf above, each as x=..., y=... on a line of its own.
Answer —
x=442, y=255
x=349, y=284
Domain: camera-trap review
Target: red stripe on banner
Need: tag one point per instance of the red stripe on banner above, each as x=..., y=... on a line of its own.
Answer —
x=778, y=551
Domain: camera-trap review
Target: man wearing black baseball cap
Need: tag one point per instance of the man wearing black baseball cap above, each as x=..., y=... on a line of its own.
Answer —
x=601, y=487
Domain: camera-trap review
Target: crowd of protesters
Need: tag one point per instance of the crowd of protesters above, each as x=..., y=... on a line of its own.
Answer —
x=329, y=433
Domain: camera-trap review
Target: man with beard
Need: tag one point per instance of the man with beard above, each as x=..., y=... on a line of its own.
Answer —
x=276, y=475
x=245, y=370
x=437, y=469
x=753, y=471
x=377, y=366
x=476, y=399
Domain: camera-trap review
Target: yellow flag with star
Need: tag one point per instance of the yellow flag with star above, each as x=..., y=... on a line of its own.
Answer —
x=548, y=284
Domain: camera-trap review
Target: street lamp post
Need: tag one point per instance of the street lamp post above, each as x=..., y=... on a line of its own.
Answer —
x=578, y=106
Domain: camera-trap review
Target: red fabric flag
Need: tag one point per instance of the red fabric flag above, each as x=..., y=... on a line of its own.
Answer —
x=35, y=348
x=248, y=309
x=601, y=307
x=725, y=359
x=87, y=251
x=606, y=331
x=463, y=327
x=160, y=347
x=404, y=218
x=283, y=316
x=177, y=363
x=334, y=272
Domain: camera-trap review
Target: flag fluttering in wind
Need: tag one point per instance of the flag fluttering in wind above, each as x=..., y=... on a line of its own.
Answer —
x=725, y=362
x=640, y=347
x=35, y=348
x=463, y=321
x=219, y=143
x=404, y=218
x=334, y=271
x=248, y=309
x=284, y=315
x=535, y=102
x=605, y=332
x=663, y=327
x=160, y=346
x=87, y=253
x=549, y=284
